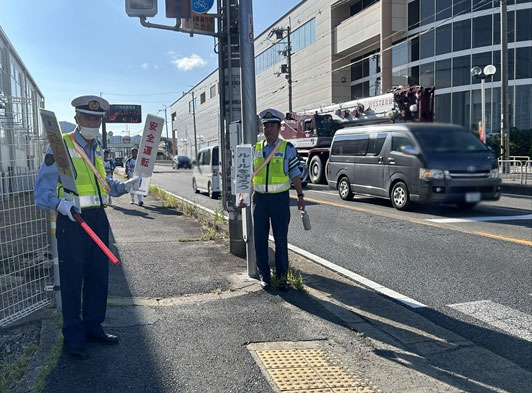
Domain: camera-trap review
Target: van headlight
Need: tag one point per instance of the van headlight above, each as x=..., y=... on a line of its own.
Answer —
x=494, y=173
x=433, y=174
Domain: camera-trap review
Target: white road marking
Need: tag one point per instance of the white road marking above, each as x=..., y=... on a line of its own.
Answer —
x=479, y=219
x=507, y=319
x=323, y=192
x=357, y=278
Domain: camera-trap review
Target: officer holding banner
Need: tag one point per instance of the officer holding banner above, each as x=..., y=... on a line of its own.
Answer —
x=271, y=200
x=84, y=268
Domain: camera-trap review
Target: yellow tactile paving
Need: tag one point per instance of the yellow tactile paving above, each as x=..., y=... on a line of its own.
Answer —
x=311, y=371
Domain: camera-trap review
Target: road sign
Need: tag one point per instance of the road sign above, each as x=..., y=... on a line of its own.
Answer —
x=178, y=9
x=202, y=6
x=202, y=22
x=124, y=114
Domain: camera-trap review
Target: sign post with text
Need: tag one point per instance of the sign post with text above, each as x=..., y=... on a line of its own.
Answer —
x=147, y=153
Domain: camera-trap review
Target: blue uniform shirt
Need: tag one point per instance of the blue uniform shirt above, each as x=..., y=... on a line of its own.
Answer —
x=291, y=162
x=45, y=190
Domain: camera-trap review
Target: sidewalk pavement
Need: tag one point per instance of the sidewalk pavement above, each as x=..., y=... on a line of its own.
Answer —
x=190, y=320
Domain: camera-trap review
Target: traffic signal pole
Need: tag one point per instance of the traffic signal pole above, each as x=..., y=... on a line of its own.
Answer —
x=249, y=111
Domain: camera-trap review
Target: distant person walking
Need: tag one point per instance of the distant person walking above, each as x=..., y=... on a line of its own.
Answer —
x=271, y=199
x=109, y=170
x=130, y=170
x=84, y=268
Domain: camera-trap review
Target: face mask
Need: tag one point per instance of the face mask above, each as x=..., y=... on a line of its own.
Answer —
x=89, y=132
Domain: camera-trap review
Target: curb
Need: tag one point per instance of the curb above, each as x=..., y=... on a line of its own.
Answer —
x=516, y=189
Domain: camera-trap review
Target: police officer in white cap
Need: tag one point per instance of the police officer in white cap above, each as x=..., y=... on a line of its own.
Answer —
x=271, y=200
x=84, y=268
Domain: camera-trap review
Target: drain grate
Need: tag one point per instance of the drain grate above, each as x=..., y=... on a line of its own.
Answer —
x=311, y=371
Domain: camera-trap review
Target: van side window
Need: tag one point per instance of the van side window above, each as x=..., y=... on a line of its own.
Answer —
x=376, y=141
x=400, y=141
x=206, y=157
x=351, y=145
x=200, y=159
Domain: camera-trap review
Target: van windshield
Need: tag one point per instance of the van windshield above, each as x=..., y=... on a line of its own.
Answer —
x=215, y=160
x=449, y=141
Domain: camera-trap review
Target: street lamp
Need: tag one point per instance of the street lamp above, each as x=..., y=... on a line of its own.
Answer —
x=482, y=74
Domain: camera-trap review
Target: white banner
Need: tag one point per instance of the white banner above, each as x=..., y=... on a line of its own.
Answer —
x=147, y=153
x=61, y=157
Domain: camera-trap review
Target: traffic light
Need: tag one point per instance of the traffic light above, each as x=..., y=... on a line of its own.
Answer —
x=141, y=7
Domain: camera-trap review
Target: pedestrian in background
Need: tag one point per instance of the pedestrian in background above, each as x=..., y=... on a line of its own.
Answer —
x=130, y=170
x=83, y=267
x=271, y=199
x=109, y=170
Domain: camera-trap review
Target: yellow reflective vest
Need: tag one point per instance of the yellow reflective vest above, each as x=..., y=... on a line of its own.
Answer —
x=90, y=193
x=271, y=179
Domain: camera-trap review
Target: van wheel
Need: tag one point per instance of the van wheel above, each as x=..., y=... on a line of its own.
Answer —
x=194, y=185
x=400, y=196
x=344, y=189
x=316, y=170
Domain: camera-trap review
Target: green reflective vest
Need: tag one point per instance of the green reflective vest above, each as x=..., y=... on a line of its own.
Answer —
x=90, y=193
x=271, y=179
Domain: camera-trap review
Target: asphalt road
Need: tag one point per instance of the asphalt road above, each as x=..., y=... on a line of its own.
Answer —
x=469, y=268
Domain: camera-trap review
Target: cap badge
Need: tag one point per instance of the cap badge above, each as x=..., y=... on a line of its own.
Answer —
x=94, y=105
x=268, y=115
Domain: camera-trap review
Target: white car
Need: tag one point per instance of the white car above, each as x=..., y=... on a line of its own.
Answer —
x=206, y=172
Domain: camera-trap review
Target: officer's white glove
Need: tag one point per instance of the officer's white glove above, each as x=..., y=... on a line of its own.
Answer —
x=132, y=184
x=65, y=208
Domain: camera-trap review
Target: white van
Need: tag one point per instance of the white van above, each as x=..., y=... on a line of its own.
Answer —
x=206, y=172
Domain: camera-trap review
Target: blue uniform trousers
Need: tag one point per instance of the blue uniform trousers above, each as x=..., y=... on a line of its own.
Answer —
x=84, y=272
x=274, y=208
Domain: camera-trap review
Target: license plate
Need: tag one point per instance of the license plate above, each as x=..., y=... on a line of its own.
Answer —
x=472, y=196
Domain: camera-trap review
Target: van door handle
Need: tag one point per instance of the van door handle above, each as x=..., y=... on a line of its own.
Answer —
x=381, y=160
x=391, y=161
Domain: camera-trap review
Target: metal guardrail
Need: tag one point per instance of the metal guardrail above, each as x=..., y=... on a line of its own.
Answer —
x=516, y=170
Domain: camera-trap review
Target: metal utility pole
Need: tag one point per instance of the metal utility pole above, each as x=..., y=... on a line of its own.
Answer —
x=505, y=113
x=194, y=122
x=230, y=111
x=166, y=123
x=288, y=53
x=249, y=110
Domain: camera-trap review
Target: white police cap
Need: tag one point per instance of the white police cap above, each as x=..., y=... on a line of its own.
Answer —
x=271, y=116
x=92, y=105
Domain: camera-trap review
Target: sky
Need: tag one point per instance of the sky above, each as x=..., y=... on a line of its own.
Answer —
x=74, y=48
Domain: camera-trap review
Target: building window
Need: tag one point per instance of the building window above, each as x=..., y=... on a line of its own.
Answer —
x=361, y=5
x=462, y=70
x=482, y=31
x=360, y=90
x=426, y=12
x=523, y=63
x=192, y=105
x=462, y=35
x=413, y=15
x=523, y=24
x=426, y=74
x=460, y=108
x=414, y=49
x=497, y=64
x=523, y=97
x=444, y=9
x=443, y=39
x=497, y=27
x=426, y=44
x=202, y=98
x=413, y=76
x=400, y=54
x=213, y=91
x=442, y=103
x=301, y=37
x=443, y=74
x=461, y=7
x=482, y=5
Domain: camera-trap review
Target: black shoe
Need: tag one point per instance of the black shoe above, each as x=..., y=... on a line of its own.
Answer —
x=76, y=351
x=104, y=338
x=141, y=203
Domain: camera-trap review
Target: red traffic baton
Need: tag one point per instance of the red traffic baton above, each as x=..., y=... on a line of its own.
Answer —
x=96, y=239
